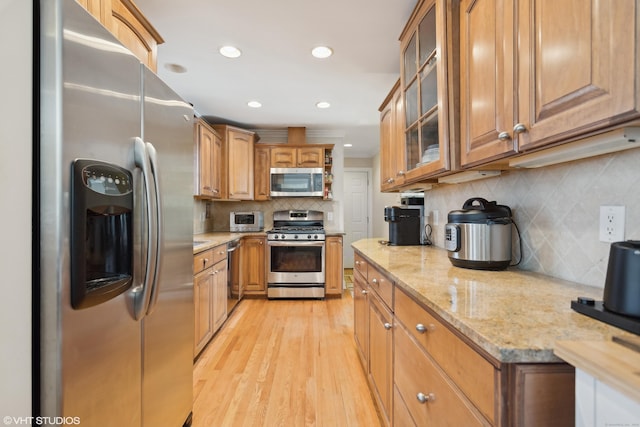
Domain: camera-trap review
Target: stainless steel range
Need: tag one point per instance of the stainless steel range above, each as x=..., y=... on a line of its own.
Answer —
x=295, y=255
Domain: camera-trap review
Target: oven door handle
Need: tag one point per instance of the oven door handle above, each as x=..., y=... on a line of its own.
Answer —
x=295, y=243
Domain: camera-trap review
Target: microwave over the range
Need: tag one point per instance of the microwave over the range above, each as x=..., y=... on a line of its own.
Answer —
x=296, y=182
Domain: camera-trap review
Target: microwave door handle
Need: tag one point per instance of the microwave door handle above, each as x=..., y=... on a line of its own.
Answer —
x=142, y=293
x=157, y=235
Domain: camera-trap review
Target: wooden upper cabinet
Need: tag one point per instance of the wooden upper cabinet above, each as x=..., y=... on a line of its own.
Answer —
x=294, y=157
x=577, y=68
x=134, y=31
x=262, y=184
x=238, y=145
x=392, y=159
x=543, y=73
x=487, y=84
x=129, y=25
x=424, y=48
x=208, y=162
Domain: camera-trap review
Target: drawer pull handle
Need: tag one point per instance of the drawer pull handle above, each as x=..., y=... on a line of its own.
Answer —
x=424, y=398
x=421, y=328
x=388, y=326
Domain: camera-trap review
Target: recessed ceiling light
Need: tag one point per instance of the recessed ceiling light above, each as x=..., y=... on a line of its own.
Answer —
x=323, y=104
x=254, y=104
x=230, y=51
x=322, y=52
x=175, y=68
x=348, y=145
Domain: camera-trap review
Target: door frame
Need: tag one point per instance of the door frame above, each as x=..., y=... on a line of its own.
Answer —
x=369, y=172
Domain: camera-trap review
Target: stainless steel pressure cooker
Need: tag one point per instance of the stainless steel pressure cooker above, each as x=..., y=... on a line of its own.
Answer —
x=478, y=236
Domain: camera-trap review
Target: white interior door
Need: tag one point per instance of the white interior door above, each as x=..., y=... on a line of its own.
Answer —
x=356, y=210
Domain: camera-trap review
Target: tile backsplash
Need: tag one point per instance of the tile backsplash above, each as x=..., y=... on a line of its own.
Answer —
x=557, y=210
x=220, y=221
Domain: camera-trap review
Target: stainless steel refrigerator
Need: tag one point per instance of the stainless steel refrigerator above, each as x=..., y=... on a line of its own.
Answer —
x=114, y=165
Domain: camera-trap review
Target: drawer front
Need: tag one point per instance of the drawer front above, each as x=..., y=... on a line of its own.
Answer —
x=473, y=374
x=360, y=265
x=219, y=253
x=382, y=286
x=202, y=261
x=424, y=391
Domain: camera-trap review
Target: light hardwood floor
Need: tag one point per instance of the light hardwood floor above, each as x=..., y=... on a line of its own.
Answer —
x=284, y=363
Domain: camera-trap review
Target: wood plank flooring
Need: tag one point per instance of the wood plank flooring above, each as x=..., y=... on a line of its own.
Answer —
x=284, y=363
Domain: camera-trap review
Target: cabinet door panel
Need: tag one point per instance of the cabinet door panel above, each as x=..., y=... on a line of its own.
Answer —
x=360, y=314
x=381, y=354
x=202, y=294
x=486, y=80
x=240, y=149
x=577, y=68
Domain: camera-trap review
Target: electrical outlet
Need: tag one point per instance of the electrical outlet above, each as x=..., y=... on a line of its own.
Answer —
x=611, y=223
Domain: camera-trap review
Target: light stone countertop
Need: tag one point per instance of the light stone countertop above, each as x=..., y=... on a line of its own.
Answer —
x=514, y=315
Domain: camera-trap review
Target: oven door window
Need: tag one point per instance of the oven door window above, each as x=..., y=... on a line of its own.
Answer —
x=296, y=259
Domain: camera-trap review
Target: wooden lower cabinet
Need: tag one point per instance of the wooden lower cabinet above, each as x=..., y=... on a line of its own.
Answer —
x=423, y=372
x=431, y=399
x=361, y=316
x=334, y=272
x=381, y=355
x=209, y=294
x=253, y=265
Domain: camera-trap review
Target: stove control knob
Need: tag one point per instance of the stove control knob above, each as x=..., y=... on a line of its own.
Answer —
x=282, y=236
x=309, y=237
x=315, y=236
x=295, y=236
x=275, y=236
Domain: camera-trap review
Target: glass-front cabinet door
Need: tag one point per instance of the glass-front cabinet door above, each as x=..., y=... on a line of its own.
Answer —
x=425, y=91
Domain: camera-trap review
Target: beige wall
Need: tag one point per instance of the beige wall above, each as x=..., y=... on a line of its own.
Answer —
x=557, y=209
x=15, y=168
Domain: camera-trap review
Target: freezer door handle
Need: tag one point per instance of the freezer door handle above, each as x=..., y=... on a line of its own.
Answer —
x=142, y=296
x=157, y=236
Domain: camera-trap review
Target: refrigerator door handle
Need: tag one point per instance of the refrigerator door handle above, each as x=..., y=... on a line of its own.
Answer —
x=142, y=296
x=153, y=160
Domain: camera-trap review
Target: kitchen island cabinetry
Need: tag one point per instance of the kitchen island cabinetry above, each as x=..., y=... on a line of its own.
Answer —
x=253, y=265
x=129, y=25
x=210, y=294
x=297, y=157
x=208, y=162
x=559, y=96
x=361, y=309
x=238, y=155
x=334, y=272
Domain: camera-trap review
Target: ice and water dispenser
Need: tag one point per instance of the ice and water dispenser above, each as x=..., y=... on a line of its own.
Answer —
x=101, y=232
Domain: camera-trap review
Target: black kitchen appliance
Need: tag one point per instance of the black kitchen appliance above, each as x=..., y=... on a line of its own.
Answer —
x=620, y=306
x=478, y=236
x=404, y=225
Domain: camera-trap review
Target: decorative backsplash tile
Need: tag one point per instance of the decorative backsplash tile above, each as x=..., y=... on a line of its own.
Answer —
x=557, y=210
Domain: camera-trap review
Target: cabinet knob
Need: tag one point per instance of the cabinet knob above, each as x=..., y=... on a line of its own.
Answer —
x=388, y=326
x=421, y=328
x=364, y=292
x=424, y=398
x=357, y=262
x=400, y=173
x=261, y=242
x=504, y=136
x=390, y=181
x=519, y=128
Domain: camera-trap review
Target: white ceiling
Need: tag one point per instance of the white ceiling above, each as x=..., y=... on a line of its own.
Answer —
x=276, y=66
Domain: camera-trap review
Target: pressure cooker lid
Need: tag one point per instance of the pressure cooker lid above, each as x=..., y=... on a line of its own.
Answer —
x=478, y=209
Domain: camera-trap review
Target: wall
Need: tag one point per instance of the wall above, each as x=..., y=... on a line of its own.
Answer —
x=557, y=209
x=15, y=217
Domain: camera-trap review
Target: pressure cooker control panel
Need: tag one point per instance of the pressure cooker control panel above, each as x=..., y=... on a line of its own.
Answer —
x=452, y=237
